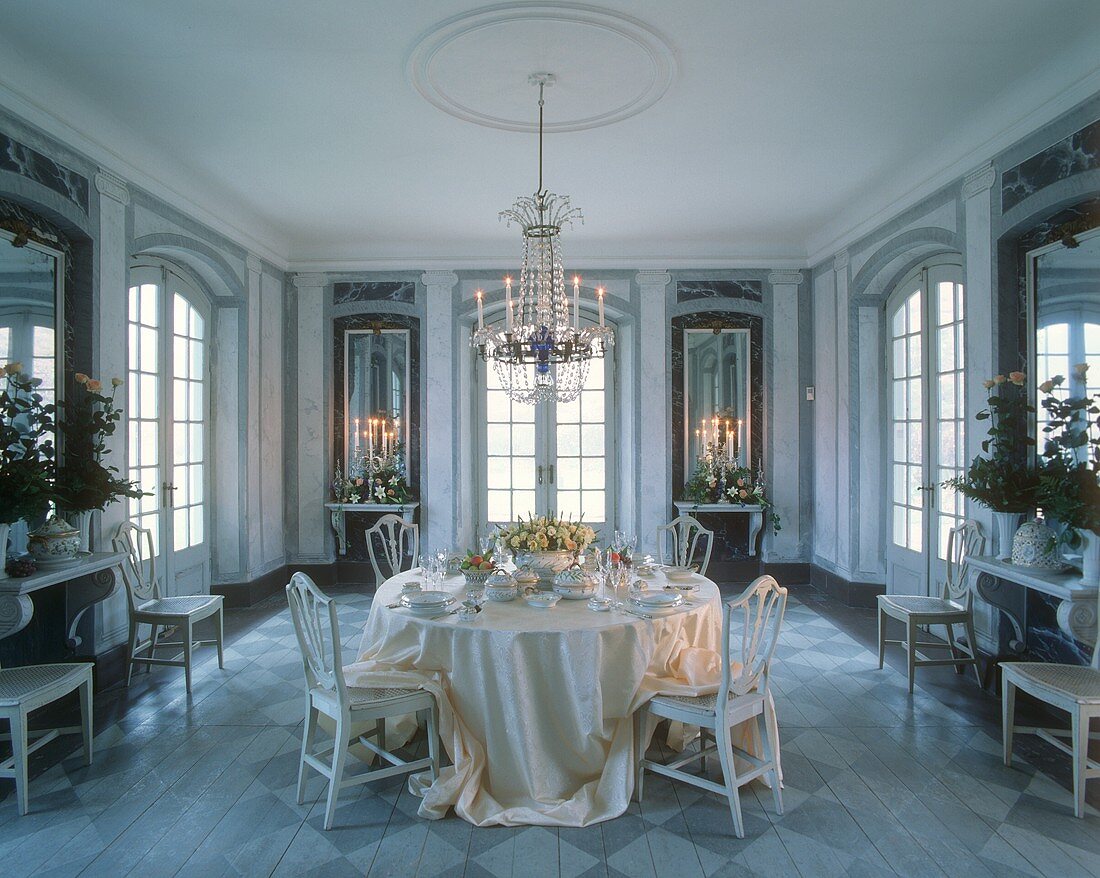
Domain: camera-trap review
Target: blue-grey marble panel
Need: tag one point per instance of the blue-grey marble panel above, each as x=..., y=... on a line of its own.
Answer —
x=383, y=291
x=692, y=290
x=33, y=165
x=1071, y=155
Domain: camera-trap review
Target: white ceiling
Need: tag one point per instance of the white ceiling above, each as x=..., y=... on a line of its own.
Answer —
x=297, y=126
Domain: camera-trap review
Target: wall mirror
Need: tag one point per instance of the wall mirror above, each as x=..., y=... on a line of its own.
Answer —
x=376, y=389
x=31, y=298
x=1064, y=313
x=716, y=394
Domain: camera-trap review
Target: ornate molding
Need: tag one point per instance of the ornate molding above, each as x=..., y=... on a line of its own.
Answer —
x=1078, y=619
x=653, y=278
x=98, y=586
x=111, y=186
x=253, y=264
x=446, y=279
x=979, y=181
x=840, y=261
x=776, y=278
x=15, y=612
x=310, y=280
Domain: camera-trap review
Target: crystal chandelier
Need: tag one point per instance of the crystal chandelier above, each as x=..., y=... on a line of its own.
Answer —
x=541, y=353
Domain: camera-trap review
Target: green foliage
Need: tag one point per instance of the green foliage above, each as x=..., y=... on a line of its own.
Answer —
x=729, y=484
x=87, y=419
x=27, y=448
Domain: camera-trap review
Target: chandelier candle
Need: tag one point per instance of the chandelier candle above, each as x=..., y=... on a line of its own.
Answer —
x=480, y=311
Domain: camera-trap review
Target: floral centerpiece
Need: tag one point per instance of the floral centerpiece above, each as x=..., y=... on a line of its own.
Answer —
x=547, y=544
x=1000, y=478
x=718, y=483
x=84, y=482
x=1068, y=489
x=26, y=453
x=385, y=483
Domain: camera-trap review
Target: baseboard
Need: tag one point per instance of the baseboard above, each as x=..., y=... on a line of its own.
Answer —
x=788, y=572
x=110, y=667
x=852, y=594
x=247, y=594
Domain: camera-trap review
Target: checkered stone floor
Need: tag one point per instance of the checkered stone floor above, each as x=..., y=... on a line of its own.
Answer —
x=877, y=783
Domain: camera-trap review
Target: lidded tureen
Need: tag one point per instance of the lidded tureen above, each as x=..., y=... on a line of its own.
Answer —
x=500, y=586
x=575, y=583
x=55, y=543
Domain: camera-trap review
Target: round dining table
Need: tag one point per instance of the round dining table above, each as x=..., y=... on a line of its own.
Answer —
x=537, y=705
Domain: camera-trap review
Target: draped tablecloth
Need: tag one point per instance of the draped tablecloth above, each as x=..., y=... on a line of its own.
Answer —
x=536, y=704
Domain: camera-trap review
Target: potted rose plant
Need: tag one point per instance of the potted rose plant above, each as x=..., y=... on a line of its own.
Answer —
x=85, y=483
x=1069, y=468
x=26, y=453
x=1000, y=478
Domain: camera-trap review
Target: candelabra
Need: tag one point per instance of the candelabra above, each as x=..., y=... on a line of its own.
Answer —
x=381, y=450
x=718, y=455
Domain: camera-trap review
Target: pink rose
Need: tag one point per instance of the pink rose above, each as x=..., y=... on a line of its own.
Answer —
x=1017, y=378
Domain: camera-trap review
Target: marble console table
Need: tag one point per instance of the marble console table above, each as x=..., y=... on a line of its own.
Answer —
x=754, y=512
x=1076, y=610
x=339, y=510
x=101, y=574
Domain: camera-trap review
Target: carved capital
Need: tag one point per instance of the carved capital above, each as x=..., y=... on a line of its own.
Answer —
x=653, y=278
x=776, y=278
x=15, y=612
x=253, y=264
x=1078, y=619
x=310, y=280
x=840, y=261
x=979, y=181
x=111, y=186
x=446, y=279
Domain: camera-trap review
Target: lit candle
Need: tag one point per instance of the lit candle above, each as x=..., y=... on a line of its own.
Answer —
x=356, y=433
x=739, y=440
x=599, y=295
x=729, y=443
x=704, y=434
x=508, y=298
x=576, y=302
x=370, y=438
x=480, y=311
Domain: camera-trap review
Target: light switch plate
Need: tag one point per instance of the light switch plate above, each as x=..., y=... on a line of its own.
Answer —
x=809, y=394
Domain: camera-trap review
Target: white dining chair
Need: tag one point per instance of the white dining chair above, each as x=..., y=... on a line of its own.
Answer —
x=398, y=541
x=954, y=607
x=684, y=534
x=139, y=573
x=327, y=692
x=744, y=694
x=1072, y=688
x=28, y=688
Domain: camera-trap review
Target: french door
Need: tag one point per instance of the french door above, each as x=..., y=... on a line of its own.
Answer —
x=167, y=408
x=925, y=323
x=549, y=457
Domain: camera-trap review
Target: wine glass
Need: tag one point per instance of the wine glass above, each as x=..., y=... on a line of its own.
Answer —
x=486, y=544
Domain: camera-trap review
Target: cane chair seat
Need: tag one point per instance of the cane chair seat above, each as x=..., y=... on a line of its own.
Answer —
x=35, y=685
x=357, y=697
x=920, y=605
x=1079, y=682
x=183, y=605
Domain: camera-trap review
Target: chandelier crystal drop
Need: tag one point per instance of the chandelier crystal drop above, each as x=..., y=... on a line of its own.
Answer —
x=540, y=351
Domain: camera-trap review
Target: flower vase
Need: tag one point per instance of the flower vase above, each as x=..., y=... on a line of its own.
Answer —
x=546, y=565
x=1090, y=557
x=1005, y=524
x=82, y=521
x=4, y=528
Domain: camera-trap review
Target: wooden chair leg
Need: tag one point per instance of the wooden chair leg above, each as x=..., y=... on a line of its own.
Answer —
x=729, y=776
x=19, y=757
x=380, y=732
x=339, y=756
x=188, y=640
x=153, y=641
x=911, y=651
x=433, y=740
x=309, y=733
x=956, y=652
x=1079, y=729
x=972, y=642
x=881, y=637
x=132, y=650
x=639, y=752
x=771, y=754
x=221, y=637
x=1008, y=719
x=86, y=718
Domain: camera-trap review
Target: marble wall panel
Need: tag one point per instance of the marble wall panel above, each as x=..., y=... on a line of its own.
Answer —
x=691, y=291
x=271, y=420
x=1071, y=155
x=33, y=165
x=345, y=292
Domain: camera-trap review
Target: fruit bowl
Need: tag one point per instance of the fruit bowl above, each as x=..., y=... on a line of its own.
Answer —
x=476, y=568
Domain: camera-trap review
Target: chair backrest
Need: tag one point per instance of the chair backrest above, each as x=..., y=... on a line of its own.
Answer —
x=754, y=618
x=1096, y=632
x=397, y=541
x=684, y=534
x=314, y=616
x=963, y=543
x=139, y=570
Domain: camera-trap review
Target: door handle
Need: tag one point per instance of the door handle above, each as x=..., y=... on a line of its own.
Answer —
x=168, y=489
x=538, y=471
x=551, y=468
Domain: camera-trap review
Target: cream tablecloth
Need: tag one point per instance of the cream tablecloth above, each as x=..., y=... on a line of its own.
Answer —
x=536, y=705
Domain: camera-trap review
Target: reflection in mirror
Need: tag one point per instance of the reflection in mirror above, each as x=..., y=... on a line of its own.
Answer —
x=716, y=393
x=376, y=390
x=1065, y=313
x=29, y=294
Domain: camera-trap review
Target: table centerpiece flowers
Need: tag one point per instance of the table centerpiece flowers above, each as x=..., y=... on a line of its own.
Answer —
x=999, y=478
x=1068, y=489
x=546, y=544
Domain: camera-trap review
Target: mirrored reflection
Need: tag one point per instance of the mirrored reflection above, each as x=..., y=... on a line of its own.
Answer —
x=28, y=311
x=1066, y=302
x=377, y=365
x=716, y=393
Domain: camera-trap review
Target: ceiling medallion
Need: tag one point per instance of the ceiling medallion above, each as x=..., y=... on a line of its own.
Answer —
x=541, y=353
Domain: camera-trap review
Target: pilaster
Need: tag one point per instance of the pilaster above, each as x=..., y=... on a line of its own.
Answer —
x=785, y=406
x=313, y=478
x=655, y=404
x=441, y=520
x=253, y=559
